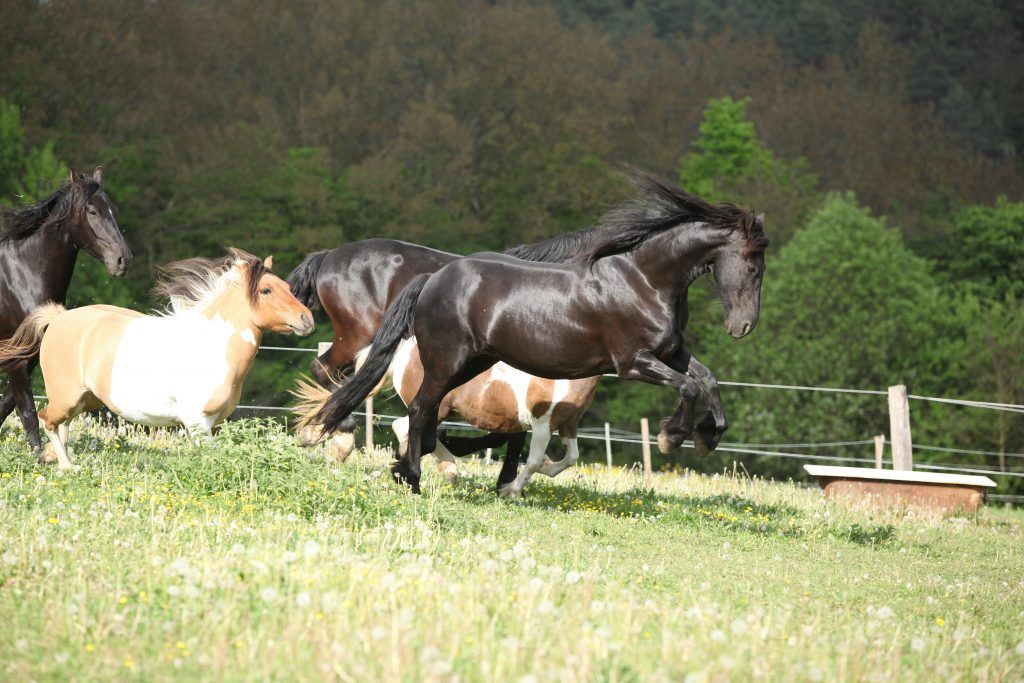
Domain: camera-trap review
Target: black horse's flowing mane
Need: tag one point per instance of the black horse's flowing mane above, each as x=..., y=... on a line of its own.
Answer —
x=59, y=207
x=658, y=206
x=571, y=246
x=191, y=281
x=661, y=205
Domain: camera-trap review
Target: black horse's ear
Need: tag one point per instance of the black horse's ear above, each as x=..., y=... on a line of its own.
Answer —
x=74, y=176
x=97, y=175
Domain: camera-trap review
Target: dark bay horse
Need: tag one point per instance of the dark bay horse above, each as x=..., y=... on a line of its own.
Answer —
x=620, y=310
x=39, y=245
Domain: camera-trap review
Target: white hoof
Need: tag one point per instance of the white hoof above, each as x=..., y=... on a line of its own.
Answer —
x=67, y=469
x=509, y=491
x=663, y=443
x=49, y=455
x=449, y=470
x=341, y=445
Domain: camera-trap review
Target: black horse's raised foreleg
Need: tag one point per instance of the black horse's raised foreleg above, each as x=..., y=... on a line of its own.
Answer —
x=710, y=429
x=646, y=367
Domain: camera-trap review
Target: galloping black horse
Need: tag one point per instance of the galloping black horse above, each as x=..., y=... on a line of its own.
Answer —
x=39, y=244
x=356, y=283
x=623, y=309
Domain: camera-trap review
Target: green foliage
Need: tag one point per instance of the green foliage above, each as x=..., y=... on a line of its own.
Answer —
x=12, y=138
x=732, y=164
x=43, y=173
x=844, y=304
x=987, y=250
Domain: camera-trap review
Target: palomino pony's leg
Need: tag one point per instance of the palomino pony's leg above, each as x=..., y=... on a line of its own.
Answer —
x=647, y=368
x=21, y=387
x=60, y=447
x=539, y=439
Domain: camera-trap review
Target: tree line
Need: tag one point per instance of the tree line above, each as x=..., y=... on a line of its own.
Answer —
x=286, y=127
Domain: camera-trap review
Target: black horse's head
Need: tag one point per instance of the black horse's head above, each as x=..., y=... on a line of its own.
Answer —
x=738, y=268
x=93, y=223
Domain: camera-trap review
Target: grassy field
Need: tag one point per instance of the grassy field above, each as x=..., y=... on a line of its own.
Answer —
x=246, y=559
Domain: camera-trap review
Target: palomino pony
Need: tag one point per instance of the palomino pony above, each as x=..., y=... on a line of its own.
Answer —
x=185, y=367
x=622, y=311
x=501, y=400
x=39, y=244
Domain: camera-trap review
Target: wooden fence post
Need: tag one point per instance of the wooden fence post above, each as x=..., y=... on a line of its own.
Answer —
x=879, y=450
x=487, y=456
x=899, y=428
x=608, y=444
x=645, y=435
x=369, y=423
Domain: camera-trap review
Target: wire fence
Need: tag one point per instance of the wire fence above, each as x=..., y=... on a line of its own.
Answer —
x=782, y=450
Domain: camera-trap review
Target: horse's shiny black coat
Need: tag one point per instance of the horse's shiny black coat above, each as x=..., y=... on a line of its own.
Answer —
x=621, y=310
x=39, y=245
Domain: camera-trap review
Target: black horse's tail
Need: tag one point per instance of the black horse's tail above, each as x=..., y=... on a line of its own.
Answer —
x=302, y=280
x=397, y=322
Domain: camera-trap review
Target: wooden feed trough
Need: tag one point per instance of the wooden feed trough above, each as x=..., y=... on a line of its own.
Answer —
x=896, y=488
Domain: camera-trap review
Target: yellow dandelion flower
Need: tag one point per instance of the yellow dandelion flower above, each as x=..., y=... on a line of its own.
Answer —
x=940, y=621
x=53, y=520
x=122, y=600
x=90, y=647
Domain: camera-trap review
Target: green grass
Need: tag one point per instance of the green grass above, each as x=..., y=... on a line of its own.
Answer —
x=244, y=558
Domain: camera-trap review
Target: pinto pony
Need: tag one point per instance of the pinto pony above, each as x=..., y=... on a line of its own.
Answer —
x=623, y=310
x=501, y=400
x=184, y=367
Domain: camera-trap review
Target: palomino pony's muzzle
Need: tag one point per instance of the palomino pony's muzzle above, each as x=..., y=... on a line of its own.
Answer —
x=305, y=326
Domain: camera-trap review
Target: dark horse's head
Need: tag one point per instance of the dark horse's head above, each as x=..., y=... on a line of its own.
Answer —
x=84, y=213
x=93, y=225
x=738, y=268
x=723, y=239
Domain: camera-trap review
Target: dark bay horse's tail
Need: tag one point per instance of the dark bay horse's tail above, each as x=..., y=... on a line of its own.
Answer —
x=397, y=322
x=24, y=345
x=303, y=279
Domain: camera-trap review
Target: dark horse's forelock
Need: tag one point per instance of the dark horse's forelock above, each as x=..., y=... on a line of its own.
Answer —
x=58, y=208
x=189, y=281
x=661, y=205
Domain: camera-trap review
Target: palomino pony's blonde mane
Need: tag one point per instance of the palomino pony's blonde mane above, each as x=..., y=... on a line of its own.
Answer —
x=192, y=282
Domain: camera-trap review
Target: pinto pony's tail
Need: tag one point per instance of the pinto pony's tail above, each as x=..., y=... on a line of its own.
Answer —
x=24, y=344
x=302, y=280
x=397, y=322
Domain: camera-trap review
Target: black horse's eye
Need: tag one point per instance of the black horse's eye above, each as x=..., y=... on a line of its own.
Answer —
x=265, y=291
x=92, y=211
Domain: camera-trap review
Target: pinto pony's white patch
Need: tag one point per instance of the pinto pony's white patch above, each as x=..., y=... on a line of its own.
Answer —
x=168, y=368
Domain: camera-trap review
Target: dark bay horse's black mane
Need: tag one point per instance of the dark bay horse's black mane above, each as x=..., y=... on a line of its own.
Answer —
x=20, y=222
x=658, y=206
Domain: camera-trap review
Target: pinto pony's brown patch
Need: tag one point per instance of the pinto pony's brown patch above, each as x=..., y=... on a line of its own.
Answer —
x=189, y=281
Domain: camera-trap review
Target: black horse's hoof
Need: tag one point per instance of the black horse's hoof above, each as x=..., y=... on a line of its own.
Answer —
x=402, y=475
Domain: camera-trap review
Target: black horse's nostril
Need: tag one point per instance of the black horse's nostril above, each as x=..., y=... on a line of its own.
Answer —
x=746, y=329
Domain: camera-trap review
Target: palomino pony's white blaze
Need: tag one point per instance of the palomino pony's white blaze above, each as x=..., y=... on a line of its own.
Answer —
x=186, y=367
x=502, y=399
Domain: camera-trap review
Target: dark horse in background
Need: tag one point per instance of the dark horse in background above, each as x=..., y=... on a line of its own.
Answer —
x=622, y=310
x=39, y=245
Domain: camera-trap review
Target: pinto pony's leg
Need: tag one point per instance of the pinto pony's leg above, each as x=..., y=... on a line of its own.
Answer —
x=539, y=440
x=446, y=464
x=572, y=454
x=647, y=368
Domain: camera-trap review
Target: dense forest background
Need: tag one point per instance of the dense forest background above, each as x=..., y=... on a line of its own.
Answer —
x=883, y=140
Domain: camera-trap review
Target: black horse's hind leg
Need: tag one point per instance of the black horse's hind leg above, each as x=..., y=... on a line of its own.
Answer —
x=437, y=382
x=21, y=387
x=647, y=368
x=510, y=468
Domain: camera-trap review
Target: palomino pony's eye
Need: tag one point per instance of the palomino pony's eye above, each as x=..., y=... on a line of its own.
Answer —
x=265, y=291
